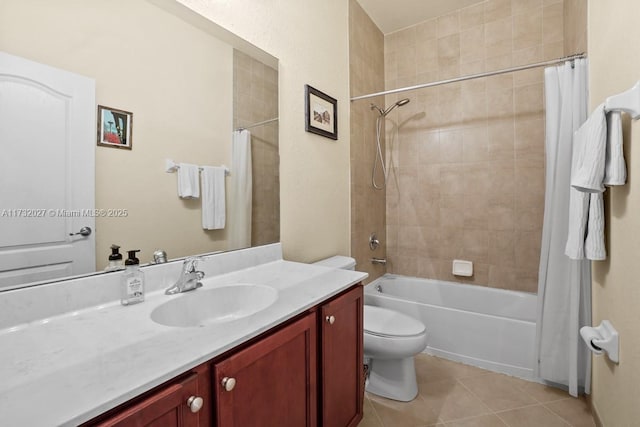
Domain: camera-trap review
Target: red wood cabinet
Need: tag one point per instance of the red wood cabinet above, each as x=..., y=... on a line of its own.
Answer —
x=272, y=382
x=341, y=360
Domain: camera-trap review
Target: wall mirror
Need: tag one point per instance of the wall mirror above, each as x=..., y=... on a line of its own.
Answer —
x=188, y=84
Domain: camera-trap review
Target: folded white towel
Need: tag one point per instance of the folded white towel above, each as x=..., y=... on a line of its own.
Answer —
x=213, y=198
x=188, y=181
x=615, y=172
x=589, y=151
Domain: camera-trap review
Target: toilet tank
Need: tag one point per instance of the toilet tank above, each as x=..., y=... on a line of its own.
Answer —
x=338, y=261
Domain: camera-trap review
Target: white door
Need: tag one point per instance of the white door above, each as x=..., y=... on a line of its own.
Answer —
x=47, y=177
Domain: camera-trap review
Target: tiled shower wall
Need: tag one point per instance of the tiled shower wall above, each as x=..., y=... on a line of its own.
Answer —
x=255, y=99
x=468, y=175
x=366, y=48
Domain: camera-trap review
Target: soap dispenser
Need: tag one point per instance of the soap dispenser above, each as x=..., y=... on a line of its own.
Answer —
x=132, y=280
x=115, y=259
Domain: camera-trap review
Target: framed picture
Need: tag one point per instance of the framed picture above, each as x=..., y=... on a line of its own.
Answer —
x=321, y=113
x=114, y=128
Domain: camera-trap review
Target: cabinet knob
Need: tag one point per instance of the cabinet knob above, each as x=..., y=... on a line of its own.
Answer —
x=195, y=403
x=330, y=319
x=228, y=383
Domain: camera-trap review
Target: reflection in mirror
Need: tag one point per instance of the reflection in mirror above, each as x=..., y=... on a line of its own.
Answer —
x=187, y=90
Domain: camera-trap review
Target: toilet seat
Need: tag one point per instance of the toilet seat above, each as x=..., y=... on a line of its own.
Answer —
x=383, y=322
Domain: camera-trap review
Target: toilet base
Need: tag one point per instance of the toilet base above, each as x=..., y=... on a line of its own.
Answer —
x=393, y=378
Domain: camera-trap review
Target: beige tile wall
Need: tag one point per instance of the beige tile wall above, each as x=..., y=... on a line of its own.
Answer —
x=468, y=175
x=575, y=26
x=255, y=93
x=366, y=49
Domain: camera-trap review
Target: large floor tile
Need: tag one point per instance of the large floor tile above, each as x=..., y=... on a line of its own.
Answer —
x=452, y=400
x=481, y=421
x=498, y=392
x=417, y=413
x=431, y=368
x=369, y=418
x=532, y=416
x=543, y=393
x=574, y=411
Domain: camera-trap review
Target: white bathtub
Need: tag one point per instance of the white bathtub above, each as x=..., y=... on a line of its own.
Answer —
x=485, y=327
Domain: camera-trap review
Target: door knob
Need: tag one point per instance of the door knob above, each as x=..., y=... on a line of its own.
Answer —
x=330, y=319
x=84, y=231
x=195, y=403
x=228, y=383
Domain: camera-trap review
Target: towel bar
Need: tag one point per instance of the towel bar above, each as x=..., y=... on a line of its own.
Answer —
x=170, y=167
x=628, y=101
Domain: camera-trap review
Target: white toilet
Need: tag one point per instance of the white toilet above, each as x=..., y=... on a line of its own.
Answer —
x=391, y=340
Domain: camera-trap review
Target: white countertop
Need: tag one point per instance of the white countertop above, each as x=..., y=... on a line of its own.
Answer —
x=72, y=367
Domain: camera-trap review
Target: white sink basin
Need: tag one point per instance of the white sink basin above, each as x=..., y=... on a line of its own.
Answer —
x=216, y=305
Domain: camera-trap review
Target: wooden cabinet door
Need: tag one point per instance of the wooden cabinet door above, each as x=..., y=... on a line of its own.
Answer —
x=166, y=408
x=342, y=365
x=274, y=380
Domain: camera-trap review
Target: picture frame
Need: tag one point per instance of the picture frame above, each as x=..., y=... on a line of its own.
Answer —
x=321, y=113
x=115, y=128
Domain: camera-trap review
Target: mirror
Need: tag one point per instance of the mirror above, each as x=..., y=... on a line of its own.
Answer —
x=188, y=84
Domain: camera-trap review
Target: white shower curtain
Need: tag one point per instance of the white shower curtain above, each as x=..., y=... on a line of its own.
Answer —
x=241, y=191
x=564, y=285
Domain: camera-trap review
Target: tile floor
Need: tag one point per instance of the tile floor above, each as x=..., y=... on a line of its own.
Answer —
x=457, y=395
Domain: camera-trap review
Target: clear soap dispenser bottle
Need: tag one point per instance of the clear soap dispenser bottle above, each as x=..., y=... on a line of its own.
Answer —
x=115, y=259
x=132, y=280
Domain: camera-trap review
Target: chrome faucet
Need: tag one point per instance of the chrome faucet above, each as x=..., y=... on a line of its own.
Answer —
x=189, y=277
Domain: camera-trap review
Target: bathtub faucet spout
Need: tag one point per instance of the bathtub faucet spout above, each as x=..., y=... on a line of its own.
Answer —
x=379, y=261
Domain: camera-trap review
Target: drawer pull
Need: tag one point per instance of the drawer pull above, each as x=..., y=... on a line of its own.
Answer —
x=330, y=319
x=195, y=403
x=228, y=383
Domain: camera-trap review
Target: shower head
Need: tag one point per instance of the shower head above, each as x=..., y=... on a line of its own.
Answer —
x=383, y=113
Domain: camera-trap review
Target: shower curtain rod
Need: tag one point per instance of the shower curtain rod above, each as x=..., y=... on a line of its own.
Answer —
x=258, y=124
x=473, y=76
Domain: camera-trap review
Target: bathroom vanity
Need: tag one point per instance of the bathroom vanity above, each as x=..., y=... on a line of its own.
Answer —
x=296, y=362
x=306, y=372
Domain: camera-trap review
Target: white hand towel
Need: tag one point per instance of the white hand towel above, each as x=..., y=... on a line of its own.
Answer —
x=213, y=198
x=578, y=219
x=188, y=181
x=615, y=169
x=589, y=151
x=594, y=244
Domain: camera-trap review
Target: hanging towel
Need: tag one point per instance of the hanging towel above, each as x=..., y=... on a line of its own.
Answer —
x=213, y=198
x=578, y=219
x=594, y=243
x=586, y=217
x=589, y=153
x=188, y=182
x=615, y=172
x=241, y=191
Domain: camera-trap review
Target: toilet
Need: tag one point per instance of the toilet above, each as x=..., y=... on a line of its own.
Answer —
x=391, y=341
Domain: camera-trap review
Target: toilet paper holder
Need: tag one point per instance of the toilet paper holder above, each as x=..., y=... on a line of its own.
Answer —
x=602, y=338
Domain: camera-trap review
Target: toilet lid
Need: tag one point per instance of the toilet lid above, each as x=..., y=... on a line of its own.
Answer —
x=385, y=322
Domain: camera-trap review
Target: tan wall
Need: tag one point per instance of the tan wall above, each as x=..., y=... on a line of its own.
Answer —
x=368, y=212
x=468, y=176
x=180, y=98
x=615, y=67
x=311, y=41
x=255, y=99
